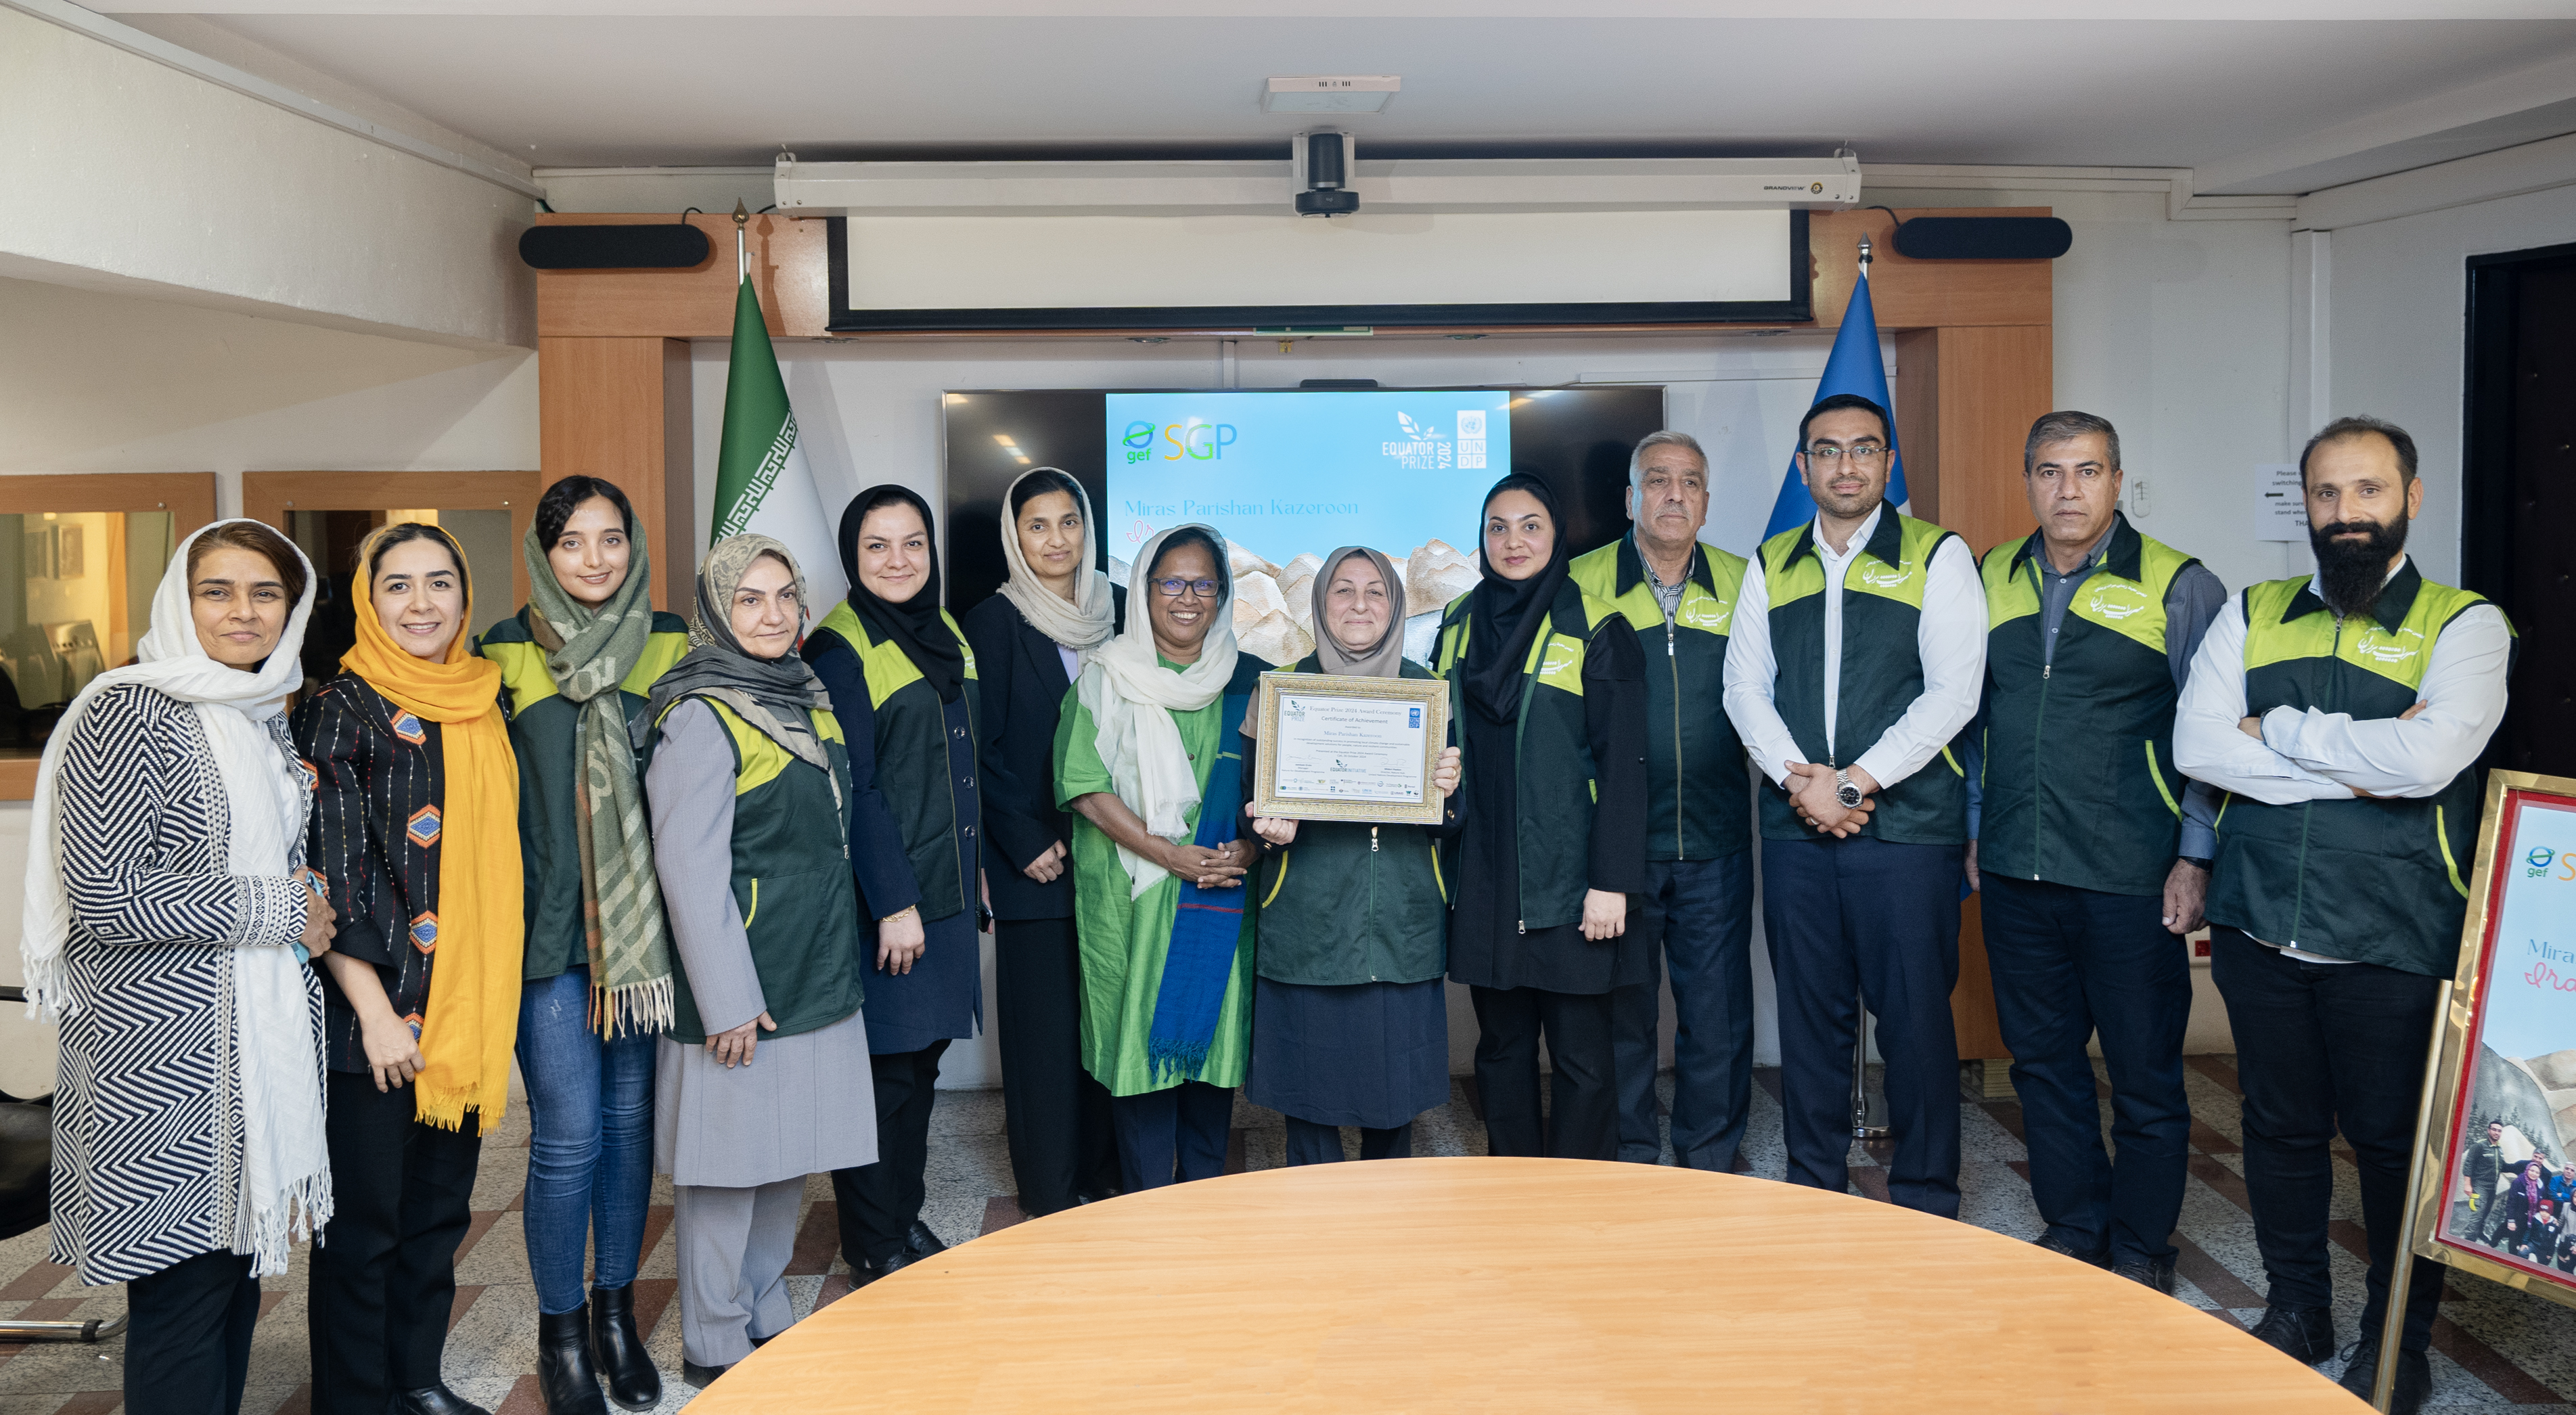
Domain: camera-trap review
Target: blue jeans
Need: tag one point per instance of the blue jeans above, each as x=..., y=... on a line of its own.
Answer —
x=590, y=1161
x=1702, y=911
x=2068, y=964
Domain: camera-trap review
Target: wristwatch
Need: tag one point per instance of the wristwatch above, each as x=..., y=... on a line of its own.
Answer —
x=1848, y=791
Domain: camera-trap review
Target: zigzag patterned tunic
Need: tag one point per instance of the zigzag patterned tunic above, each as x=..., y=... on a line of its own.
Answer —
x=147, y=1113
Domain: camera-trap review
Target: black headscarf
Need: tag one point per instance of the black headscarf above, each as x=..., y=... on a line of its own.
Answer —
x=1504, y=614
x=916, y=623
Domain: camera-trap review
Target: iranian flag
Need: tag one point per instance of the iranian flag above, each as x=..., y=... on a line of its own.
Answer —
x=762, y=482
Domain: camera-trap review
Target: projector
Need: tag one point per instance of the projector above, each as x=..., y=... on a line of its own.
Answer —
x=1320, y=172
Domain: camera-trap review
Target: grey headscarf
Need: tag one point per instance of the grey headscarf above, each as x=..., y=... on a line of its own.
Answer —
x=773, y=695
x=1384, y=659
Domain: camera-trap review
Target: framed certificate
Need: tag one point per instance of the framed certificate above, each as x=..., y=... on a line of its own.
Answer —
x=1349, y=749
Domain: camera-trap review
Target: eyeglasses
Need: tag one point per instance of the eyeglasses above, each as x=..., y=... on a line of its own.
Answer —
x=1174, y=589
x=1862, y=454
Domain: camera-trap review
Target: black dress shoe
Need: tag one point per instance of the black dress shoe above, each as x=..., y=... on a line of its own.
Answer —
x=617, y=1349
x=1093, y=1196
x=2414, y=1376
x=2158, y=1273
x=2305, y=1333
x=565, y=1377
x=2050, y=1242
x=921, y=1242
x=435, y=1400
x=866, y=1273
x=700, y=1377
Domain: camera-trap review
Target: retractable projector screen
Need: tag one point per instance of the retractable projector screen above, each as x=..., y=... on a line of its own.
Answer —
x=1257, y=272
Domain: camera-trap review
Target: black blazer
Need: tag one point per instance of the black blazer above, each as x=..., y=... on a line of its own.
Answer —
x=1020, y=685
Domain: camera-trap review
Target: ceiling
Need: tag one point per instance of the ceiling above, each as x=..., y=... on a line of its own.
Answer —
x=2256, y=96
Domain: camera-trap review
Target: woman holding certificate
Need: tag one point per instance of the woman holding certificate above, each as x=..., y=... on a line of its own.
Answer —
x=1350, y=1025
x=1150, y=757
x=1547, y=684
x=1029, y=640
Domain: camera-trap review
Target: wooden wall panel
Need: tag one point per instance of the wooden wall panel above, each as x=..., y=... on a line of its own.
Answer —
x=1994, y=383
x=269, y=496
x=618, y=409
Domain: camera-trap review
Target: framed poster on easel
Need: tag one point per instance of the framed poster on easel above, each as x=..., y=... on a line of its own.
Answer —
x=2495, y=1159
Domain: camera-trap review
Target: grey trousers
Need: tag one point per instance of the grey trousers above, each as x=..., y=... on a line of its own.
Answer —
x=733, y=1249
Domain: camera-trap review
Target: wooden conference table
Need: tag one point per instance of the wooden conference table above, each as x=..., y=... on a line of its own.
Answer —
x=1508, y=1284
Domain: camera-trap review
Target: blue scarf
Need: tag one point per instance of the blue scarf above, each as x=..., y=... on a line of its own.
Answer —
x=1207, y=925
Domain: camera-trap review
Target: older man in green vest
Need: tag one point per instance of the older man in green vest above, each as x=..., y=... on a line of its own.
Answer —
x=2094, y=849
x=2344, y=712
x=1698, y=902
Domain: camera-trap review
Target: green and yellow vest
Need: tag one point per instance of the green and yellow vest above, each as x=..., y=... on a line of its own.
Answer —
x=545, y=732
x=1348, y=903
x=1882, y=674
x=917, y=756
x=1697, y=781
x=2367, y=880
x=2080, y=786
x=1552, y=747
x=791, y=880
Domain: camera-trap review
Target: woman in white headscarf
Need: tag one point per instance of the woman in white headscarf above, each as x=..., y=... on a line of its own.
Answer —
x=1029, y=641
x=169, y=923
x=1150, y=756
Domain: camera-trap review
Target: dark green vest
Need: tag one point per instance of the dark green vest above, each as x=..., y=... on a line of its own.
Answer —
x=917, y=758
x=1697, y=782
x=2367, y=880
x=2080, y=786
x=1882, y=674
x=1552, y=748
x=1350, y=903
x=791, y=880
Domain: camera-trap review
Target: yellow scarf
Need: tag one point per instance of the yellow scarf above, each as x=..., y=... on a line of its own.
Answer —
x=473, y=1015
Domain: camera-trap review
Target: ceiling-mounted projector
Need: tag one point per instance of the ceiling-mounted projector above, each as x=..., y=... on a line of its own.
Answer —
x=1322, y=174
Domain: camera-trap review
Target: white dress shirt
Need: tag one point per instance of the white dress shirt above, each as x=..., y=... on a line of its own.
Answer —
x=2329, y=756
x=1950, y=637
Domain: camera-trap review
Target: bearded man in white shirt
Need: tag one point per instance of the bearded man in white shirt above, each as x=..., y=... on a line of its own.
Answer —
x=2345, y=712
x=1858, y=652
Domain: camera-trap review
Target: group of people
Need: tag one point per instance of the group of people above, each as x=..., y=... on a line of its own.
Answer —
x=2527, y=1210
x=295, y=934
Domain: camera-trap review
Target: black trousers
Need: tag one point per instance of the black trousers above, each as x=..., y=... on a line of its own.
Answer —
x=383, y=1280
x=2070, y=964
x=2322, y=1047
x=187, y=1345
x=1310, y=1143
x=1056, y=1116
x=879, y=1203
x=1582, y=1118
x=1865, y=916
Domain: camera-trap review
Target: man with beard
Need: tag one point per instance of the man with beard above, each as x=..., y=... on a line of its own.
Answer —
x=2344, y=712
x=1858, y=649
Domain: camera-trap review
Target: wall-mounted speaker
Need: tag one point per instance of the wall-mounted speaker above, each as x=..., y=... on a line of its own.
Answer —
x=657, y=247
x=1984, y=238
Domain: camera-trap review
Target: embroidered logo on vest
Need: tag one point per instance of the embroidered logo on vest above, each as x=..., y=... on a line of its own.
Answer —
x=2380, y=646
x=2116, y=600
x=1886, y=577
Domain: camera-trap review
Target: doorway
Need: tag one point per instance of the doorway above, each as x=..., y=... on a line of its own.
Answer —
x=2519, y=489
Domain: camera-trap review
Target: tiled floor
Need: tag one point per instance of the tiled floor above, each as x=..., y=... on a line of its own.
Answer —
x=2493, y=1348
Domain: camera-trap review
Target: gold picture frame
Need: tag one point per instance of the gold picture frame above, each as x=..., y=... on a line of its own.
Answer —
x=2453, y=1083
x=1429, y=695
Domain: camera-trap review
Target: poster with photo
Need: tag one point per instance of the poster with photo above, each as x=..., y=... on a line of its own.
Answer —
x=2498, y=1191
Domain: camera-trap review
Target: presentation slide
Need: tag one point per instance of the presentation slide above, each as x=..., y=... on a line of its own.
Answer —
x=1289, y=476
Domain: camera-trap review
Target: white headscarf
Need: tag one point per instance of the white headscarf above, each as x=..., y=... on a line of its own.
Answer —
x=285, y=1168
x=1089, y=619
x=1131, y=698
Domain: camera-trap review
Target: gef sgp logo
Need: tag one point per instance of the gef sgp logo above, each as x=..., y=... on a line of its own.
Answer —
x=2537, y=863
x=1193, y=438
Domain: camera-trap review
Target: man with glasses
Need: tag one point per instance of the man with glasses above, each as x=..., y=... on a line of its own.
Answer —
x=2091, y=846
x=1858, y=650
x=1698, y=902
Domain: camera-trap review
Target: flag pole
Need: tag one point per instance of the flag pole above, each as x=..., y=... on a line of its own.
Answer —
x=742, y=262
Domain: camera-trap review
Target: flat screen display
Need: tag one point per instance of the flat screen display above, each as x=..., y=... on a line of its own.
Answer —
x=1288, y=475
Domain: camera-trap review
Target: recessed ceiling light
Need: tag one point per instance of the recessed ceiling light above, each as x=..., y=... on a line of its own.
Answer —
x=1338, y=93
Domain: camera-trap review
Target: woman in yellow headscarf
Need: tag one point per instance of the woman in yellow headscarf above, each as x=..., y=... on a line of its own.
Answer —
x=415, y=831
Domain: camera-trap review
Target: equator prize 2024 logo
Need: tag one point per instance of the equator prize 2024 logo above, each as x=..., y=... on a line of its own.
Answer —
x=1424, y=448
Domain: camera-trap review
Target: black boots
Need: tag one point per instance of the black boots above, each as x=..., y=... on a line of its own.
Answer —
x=564, y=1375
x=618, y=1349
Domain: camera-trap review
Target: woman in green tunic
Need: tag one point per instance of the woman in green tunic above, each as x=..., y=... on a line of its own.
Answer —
x=1149, y=755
